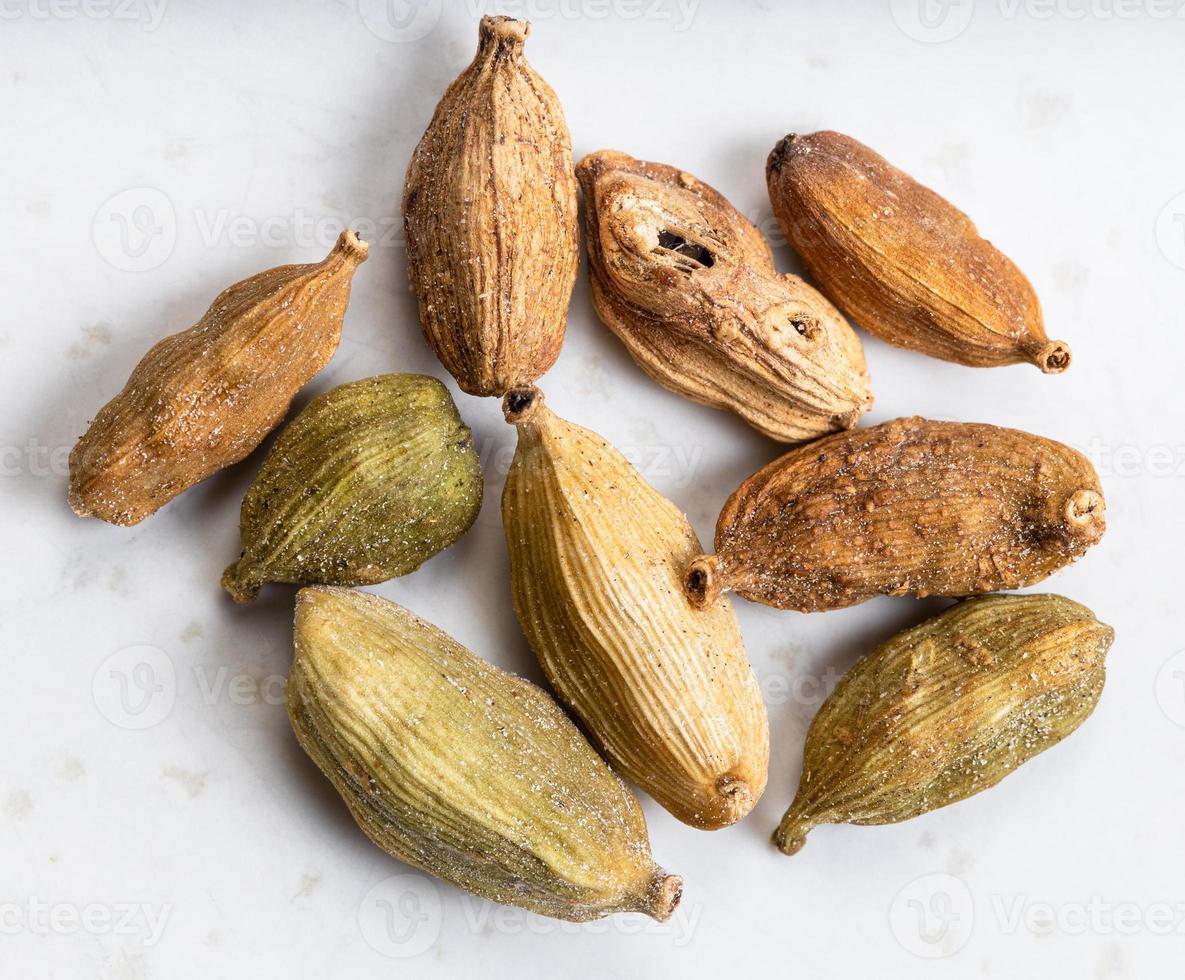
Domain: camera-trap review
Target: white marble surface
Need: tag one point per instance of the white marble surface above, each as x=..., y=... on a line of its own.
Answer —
x=188, y=837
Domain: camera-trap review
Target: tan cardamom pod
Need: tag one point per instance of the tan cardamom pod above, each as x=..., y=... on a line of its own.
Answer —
x=204, y=398
x=901, y=261
x=909, y=506
x=462, y=770
x=948, y=709
x=689, y=286
x=371, y=480
x=489, y=209
x=664, y=690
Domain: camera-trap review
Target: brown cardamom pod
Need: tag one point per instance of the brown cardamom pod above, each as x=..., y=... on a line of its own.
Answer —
x=489, y=208
x=204, y=398
x=596, y=554
x=901, y=261
x=948, y=709
x=689, y=286
x=910, y=506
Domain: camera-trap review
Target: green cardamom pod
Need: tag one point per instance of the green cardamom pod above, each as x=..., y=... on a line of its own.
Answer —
x=947, y=709
x=371, y=480
x=463, y=770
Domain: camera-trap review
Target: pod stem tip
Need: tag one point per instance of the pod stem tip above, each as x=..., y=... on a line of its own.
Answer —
x=243, y=579
x=702, y=581
x=520, y=403
x=663, y=895
x=790, y=837
x=1054, y=357
x=1085, y=511
x=350, y=246
x=500, y=29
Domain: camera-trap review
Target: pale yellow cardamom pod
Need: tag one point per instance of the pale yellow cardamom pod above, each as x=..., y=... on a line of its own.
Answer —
x=596, y=556
x=462, y=770
x=948, y=709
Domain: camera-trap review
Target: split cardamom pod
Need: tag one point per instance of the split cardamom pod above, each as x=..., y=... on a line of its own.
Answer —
x=202, y=399
x=901, y=261
x=948, y=709
x=371, y=480
x=462, y=770
x=489, y=209
x=665, y=691
x=689, y=286
x=909, y=506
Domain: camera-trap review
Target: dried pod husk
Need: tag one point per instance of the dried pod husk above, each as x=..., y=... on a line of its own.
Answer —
x=202, y=399
x=665, y=691
x=462, y=770
x=371, y=480
x=948, y=709
x=909, y=506
x=901, y=261
x=689, y=286
x=489, y=209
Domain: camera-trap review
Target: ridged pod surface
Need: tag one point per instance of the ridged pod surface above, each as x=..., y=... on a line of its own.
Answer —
x=901, y=261
x=371, y=480
x=204, y=398
x=909, y=506
x=665, y=691
x=948, y=709
x=689, y=286
x=462, y=770
x=489, y=208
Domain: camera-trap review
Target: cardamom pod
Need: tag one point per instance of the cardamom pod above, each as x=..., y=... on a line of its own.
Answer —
x=689, y=286
x=371, y=480
x=948, y=709
x=909, y=506
x=462, y=770
x=665, y=691
x=902, y=261
x=202, y=399
x=489, y=208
